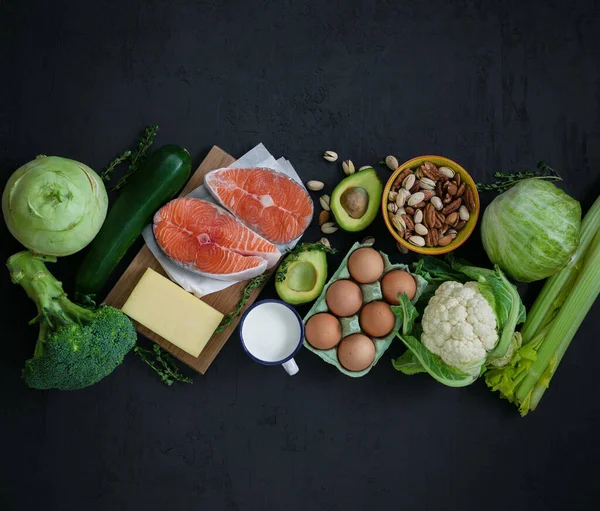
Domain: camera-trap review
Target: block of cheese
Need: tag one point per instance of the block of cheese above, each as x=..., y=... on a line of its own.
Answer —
x=168, y=310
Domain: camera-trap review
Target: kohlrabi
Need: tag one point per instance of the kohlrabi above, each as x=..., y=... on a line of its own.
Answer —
x=54, y=206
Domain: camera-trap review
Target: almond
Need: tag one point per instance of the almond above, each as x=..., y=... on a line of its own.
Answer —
x=444, y=241
x=461, y=190
x=323, y=217
x=452, y=189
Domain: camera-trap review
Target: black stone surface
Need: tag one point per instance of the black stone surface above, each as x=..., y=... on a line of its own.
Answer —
x=493, y=85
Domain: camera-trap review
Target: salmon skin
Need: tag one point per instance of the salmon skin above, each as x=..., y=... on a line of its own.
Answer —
x=267, y=201
x=207, y=239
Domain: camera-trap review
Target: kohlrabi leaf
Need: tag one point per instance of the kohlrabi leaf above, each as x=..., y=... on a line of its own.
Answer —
x=406, y=313
x=408, y=364
x=434, y=365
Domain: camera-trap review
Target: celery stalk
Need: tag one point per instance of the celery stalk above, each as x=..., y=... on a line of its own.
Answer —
x=557, y=287
x=564, y=326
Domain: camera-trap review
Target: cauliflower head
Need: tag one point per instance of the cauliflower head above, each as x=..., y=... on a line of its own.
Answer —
x=459, y=325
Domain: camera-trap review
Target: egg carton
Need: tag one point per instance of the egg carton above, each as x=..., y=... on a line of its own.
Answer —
x=350, y=324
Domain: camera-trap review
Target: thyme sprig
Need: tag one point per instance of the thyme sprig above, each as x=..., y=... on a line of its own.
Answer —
x=135, y=157
x=138, y=155
x=506, y=180
x=292, y=255
x=107, y=172
x=163, y=364
x=251, y=286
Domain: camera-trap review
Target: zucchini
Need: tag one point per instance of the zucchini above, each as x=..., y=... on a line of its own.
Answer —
x=160, y=177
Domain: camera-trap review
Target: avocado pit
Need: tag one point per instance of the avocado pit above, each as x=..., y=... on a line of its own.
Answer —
x=355, y=201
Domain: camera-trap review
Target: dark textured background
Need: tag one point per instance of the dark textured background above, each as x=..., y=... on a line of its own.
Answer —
x=493, y=85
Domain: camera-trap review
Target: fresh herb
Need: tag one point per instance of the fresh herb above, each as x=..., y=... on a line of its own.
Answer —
x=163, y=364
x=292, y=255
x=107, y=173
x=504, y=181
x=251, y=286
x=139, y=154
x=135, y=157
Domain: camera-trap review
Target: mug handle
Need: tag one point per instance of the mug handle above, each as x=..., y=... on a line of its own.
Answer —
x=290, y=367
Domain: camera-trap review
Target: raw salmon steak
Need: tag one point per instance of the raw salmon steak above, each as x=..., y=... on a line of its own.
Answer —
x=267, y=201
x=206, y=239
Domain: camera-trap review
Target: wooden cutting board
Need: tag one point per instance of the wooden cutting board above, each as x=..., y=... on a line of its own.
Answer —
x=224, y=301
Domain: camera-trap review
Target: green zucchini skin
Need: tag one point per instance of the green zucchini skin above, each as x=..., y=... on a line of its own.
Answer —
x=160, y=177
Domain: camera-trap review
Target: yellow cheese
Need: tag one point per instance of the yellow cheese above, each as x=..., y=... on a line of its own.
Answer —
x=168, y=310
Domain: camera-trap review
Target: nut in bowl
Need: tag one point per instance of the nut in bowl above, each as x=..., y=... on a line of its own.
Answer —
x=430, y=205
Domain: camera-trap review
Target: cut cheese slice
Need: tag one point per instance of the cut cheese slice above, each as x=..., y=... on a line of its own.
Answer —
x=169, y=311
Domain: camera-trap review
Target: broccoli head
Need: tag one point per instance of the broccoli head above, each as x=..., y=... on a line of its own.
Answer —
x=76, y=346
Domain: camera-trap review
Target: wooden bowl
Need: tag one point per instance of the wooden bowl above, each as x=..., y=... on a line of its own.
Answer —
x=463, y=234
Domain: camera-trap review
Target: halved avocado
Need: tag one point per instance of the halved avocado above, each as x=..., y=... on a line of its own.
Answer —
x=356, y=200
x=304, y=278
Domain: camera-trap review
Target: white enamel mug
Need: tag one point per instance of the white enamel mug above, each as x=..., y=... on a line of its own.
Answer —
x=271, y=332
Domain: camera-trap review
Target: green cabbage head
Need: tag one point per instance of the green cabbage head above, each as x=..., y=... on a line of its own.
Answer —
x=532, y=230
x=54, y=206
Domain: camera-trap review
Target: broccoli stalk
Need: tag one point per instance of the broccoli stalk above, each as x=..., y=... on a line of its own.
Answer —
x=76, y=347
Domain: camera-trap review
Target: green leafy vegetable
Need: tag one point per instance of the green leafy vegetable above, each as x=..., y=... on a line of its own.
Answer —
x=434, y=365
x=408, y=364
x=406, y=312
x=532, y=230
x=54, y=206
x=163, y=364
x=76, y=347
x=506, y=180
x=292, y=255
x=256, y=282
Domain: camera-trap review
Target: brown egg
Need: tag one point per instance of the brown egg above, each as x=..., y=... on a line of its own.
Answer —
x=365, y=265
x=377, y=319
x=344, y=298
x=397, y=282
x=356, y=352
x=323, y=331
